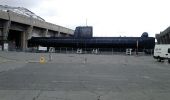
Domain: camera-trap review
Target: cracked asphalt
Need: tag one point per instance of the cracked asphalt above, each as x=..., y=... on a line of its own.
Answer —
x=82, y=77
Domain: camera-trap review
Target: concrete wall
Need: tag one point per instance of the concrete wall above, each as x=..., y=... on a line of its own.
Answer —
x=37, y=32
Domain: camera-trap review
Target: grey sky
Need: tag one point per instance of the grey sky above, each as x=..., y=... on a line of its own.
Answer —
x=21, y=3
x=108, y=17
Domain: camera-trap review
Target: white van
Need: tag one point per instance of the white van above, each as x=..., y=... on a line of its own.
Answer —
x=161, y=52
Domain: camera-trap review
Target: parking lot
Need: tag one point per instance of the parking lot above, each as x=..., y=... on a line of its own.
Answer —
x=82, y=77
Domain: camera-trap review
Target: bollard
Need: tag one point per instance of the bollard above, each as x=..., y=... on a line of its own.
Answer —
x=50, y=57
x=42, y=60
x=50, y=53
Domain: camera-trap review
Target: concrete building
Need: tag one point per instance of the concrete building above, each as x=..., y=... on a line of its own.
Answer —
x=16, y=29
x=163, y=37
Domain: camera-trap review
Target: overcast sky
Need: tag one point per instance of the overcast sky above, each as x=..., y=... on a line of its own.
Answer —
x=108, y=17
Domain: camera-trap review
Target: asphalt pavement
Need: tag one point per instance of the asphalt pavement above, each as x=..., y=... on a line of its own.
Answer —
x=82, y=77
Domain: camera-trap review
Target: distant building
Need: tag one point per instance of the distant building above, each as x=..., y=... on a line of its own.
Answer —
x=163, y=37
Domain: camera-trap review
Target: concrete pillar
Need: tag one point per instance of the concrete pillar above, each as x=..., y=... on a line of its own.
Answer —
x=6, y=28
x=166, y=39
x=5, y=32
x=56, y=34
x=158, y=41
x=23, y=41
x=29, y=32
x=45, y=32
x=161, y=40
x=25, y=36
x=168, y=36
x=1, y=34
x=157, y=36
x=1, y=39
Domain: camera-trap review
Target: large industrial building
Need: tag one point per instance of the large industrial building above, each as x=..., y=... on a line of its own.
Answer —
x=163, y=37
x=18, y=24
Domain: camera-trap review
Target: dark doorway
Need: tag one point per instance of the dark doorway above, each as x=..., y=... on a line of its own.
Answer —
x=14, y=40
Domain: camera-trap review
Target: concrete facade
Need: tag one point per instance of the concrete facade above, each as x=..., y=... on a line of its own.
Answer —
x=163, y=37
x=26, y=27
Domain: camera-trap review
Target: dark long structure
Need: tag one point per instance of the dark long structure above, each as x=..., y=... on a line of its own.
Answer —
x=83, y=39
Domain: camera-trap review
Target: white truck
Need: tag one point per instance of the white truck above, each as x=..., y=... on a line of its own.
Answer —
x=162, y=52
